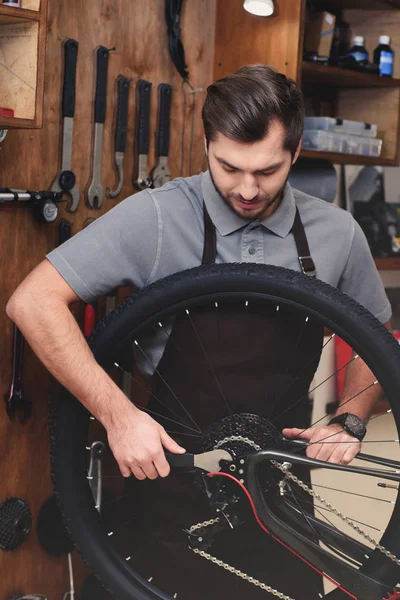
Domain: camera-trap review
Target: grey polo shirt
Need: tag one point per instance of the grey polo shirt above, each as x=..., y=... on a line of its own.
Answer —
x=155, y=233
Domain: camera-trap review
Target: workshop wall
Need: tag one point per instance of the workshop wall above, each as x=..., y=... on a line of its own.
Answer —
x=29, y=160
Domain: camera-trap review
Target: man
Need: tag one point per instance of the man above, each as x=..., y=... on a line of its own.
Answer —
x=253, y=121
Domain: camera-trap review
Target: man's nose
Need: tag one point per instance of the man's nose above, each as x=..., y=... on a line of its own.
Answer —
x=248, y=188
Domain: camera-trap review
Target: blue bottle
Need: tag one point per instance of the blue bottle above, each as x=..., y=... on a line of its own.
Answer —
x=384, y=56
x=358, y=50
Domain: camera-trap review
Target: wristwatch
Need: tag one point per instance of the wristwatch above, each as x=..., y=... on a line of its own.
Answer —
x=352, y=424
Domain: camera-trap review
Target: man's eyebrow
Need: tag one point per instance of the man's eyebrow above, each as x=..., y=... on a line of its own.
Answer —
x=269, y=168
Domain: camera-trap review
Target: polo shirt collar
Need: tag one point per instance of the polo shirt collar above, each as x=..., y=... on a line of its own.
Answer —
x=227, y=221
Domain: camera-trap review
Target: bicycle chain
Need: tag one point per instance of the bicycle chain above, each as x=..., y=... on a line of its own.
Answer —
x=345, y=519
x=220, y=563
x=237, y=438
x=285, y=470
x=231, y=569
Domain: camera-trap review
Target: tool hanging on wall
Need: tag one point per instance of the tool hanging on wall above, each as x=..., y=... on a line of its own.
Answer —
x=173, y=10
x=19, y=596
x=64, y=231
x=95, y=192
x=15, y=523
x=177, y=52
x=161, y=173
x=66, y=180
x=43, y=203
x=123, y=84
x=16, y=401
x=141, y=180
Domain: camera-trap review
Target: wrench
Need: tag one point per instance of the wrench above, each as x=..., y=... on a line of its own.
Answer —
x=65, y=180
x=95, y=191
x=143, y=94
x=120, y=132
x=161, y=173
x=16, y=400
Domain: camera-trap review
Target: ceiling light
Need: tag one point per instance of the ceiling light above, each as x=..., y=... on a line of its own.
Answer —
x=261, y=8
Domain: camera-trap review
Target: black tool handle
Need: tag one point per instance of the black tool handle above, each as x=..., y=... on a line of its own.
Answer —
x=164, y=98
x=101, y=85
x=143, y=95
x=69, y=85
x=122, y=113
x=180, y=461
x=18, y=354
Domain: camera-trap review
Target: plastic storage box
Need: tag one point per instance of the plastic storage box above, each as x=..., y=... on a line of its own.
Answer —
x=340, y=142
x=340, y=126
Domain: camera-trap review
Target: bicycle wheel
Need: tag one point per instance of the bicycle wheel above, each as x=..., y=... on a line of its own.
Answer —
x=190, y=535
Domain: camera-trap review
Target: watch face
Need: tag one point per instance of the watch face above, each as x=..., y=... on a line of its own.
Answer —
x=355, y=424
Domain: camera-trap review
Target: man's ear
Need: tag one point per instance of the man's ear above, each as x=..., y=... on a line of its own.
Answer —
x=296, y=156
x=205, y=145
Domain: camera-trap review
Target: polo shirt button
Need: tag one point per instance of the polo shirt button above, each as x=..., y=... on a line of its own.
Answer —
x=252, y=250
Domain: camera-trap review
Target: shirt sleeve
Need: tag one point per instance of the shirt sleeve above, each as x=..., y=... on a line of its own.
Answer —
x=112, y=251
x=361, y=280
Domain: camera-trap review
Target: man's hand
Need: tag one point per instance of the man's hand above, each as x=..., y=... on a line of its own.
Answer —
x=137, y=442
x=337, y=446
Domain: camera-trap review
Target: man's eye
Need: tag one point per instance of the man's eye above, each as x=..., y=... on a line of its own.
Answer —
x=227, y=170
x=267, y=173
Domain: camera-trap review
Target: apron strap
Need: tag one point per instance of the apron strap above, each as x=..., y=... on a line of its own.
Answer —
x=210, y=240
x=306, y=262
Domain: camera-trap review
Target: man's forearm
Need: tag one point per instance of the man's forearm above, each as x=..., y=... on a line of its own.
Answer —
x=54, y=336
x=360, y=392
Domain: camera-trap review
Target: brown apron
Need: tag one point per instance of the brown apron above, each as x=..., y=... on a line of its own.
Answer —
x=262, y=365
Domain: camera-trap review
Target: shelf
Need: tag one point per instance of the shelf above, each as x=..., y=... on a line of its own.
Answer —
x=9, y=15
x=335, y=5
x=344, y=78
x=387, y=263
x=22, y=60
x=348, y=159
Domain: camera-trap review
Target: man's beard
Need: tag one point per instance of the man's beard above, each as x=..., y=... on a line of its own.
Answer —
x=266, y=199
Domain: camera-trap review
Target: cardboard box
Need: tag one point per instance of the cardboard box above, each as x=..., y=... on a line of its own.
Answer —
x=319, y=32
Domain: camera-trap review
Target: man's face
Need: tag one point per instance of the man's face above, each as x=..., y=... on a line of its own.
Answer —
x=250, y=177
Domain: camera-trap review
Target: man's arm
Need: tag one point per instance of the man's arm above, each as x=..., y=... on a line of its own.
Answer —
x=360, y=396
x=39, y=307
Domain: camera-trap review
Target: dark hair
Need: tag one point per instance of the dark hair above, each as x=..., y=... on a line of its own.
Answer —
x=243, y=105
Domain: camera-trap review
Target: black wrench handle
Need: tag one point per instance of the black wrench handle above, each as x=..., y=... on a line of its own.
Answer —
x=122, y=113
x=69, y=86
x=100, y=100
x=143, y=95
x=164, y=99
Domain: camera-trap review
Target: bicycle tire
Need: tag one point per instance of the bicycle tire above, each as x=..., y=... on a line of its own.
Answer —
x=346, y=317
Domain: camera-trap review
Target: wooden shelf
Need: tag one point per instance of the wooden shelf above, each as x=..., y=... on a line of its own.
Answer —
x=9, y=15
x=387, y=263
x=22, y=60
x=345, y=78
x=348, y=159
x=335, y=5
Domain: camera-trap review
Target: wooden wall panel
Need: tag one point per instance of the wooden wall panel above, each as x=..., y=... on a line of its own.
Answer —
x=242, y=38
x=29, y=160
